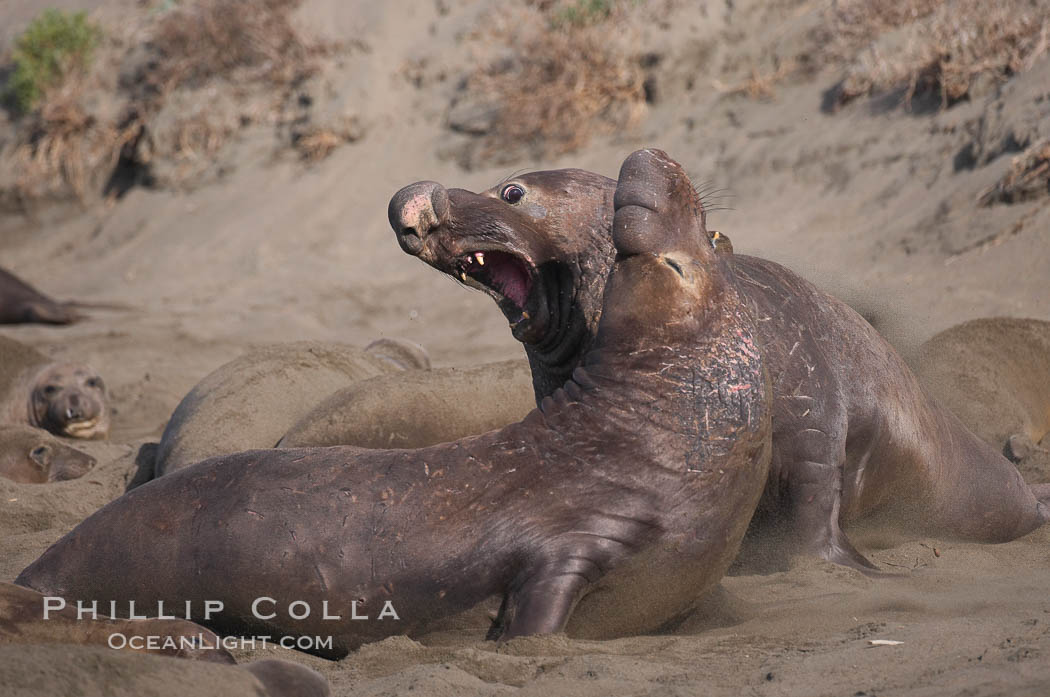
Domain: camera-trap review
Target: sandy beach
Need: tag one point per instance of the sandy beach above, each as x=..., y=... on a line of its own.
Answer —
x=872, y=201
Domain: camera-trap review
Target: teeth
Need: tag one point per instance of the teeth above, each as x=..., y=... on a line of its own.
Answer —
x=525, y=315
x=463, y=276
x=480, y=257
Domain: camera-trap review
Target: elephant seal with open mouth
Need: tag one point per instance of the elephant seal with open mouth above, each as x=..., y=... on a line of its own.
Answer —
x=855, y=437
x=606, y=511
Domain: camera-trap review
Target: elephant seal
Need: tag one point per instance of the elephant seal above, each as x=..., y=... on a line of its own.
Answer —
x=855, y=439
x=418, y=408
x=67, y=399
x=33, y=456
x=641, y=472
x=994, y=374
x=22, y=303
x=28, y=617
x=253, y=400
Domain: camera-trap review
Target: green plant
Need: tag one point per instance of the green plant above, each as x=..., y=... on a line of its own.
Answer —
x=582, y=12
x=54, y=45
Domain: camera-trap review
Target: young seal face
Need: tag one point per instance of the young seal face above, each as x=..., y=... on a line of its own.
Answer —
x=69, y=399
x=31, y=456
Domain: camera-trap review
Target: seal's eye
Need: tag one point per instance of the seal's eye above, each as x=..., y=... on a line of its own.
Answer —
x=50, y=390
x=94, y=382
x=512, y=193
x=40, y=454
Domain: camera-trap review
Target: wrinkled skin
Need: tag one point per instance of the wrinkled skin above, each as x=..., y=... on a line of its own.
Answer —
x=69, y=399
x=641, y=472
x=32, y=456
x=855, y=438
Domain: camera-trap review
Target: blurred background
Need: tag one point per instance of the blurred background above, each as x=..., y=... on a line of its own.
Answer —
x=223, y=167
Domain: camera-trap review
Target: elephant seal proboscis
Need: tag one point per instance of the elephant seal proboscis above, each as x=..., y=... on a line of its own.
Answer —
x=641, y=472
x=33, y=456
x=67, y=399
x=855, y=439
x=418, y=408
x=253, y=400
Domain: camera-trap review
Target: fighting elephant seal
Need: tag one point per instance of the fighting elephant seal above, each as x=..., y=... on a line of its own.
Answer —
x=418, y=408
x=855, y=439
x=641, y=472
x=67, y=399
x=994, y=374
x=33, y=456
x=253, y=400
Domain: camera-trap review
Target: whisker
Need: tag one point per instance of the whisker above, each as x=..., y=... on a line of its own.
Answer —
x=510, y=176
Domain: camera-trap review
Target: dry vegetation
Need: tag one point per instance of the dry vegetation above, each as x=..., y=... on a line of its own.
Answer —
x=559, y=85
x=1027, y=178
x=932, y=47
x=74, y=139
x=67, y=148
x=246, y=39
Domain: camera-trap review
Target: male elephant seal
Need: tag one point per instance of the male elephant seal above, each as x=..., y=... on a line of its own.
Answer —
x=253, y=400
x=641, y=473
x=33, y=456
x=854, y=436
x=418, y=408
x=68, y=399
x=994, y=374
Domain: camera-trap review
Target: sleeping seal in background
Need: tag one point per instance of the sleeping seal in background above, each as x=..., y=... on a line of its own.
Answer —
x=67, y=399
x=418, y=408
x=607, y=511
x=22, y=303
x=855, y=438
x=33, y=456
x=994, y=374
x=253, y=400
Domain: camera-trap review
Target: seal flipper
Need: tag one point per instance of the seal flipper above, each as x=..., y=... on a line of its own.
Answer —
x=816, y=460
x=404, y=354
x=814, y=513
x=48, y=312
x=544, y=602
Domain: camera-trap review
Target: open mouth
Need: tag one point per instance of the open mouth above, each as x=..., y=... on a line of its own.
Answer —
x=506, y=277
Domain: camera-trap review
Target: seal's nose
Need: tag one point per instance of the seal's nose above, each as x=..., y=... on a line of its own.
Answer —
x=75, y=408
x=415, y=211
